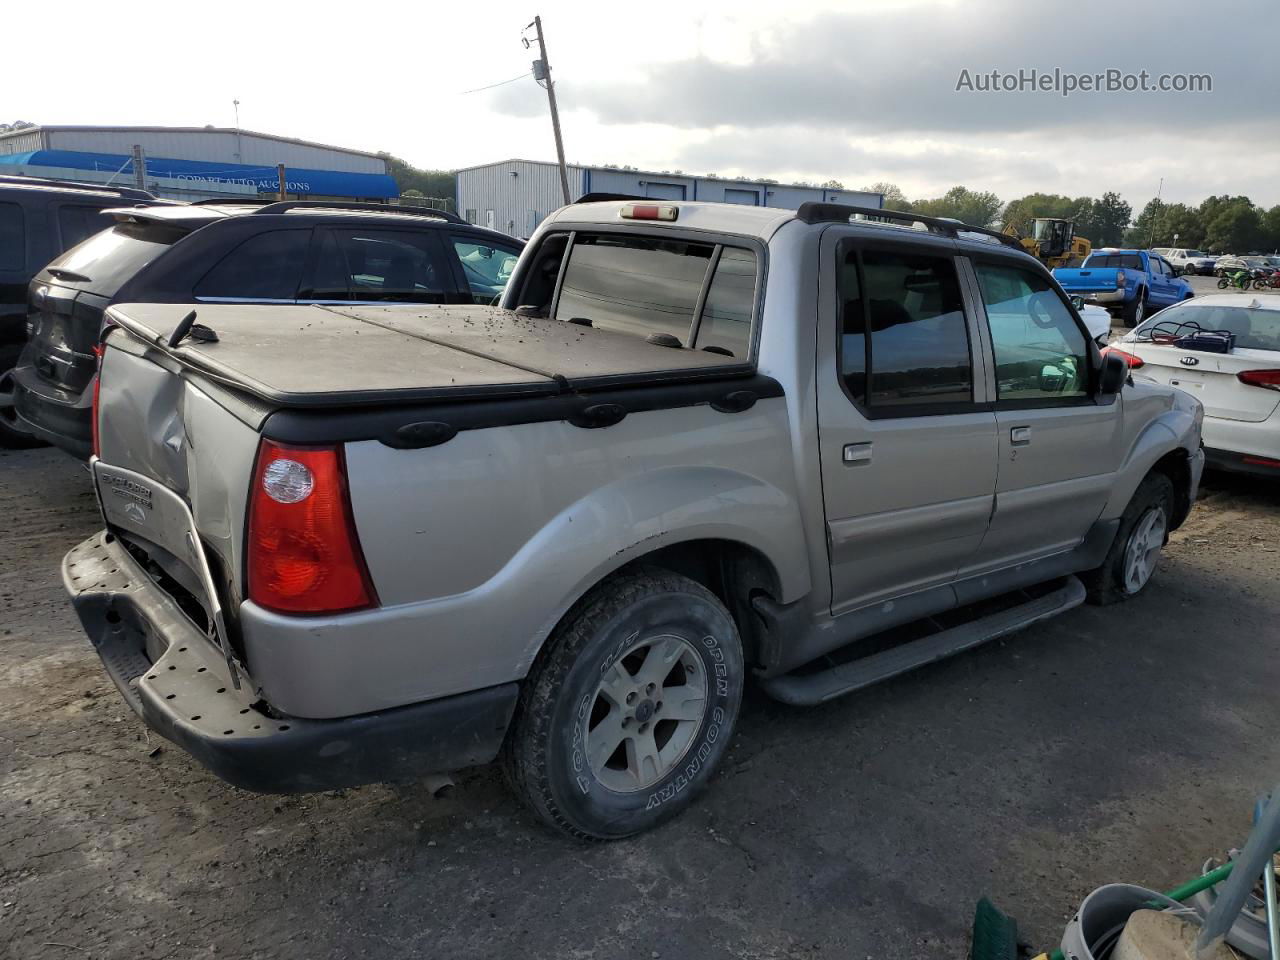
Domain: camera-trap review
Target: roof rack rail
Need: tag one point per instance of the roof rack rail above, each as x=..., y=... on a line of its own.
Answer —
x=284, y=206
x=814, y=212
x=131, y=193
x=234, y=200
x=601, y=197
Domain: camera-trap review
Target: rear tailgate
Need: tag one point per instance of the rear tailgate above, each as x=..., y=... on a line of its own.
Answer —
x=1087, y=280
x=1211, y=377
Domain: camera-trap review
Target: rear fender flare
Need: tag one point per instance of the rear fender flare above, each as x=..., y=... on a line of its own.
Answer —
x=638, y=515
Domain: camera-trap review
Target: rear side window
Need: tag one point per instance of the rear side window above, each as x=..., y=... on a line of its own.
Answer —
x=486, y=266
x=77, y=223
x=112, y=257
x=726, y=316
x=904, y=340
x=636, y=285
x=1040, y=352
x=13, y=237
x=265, y=267
x=395, y=266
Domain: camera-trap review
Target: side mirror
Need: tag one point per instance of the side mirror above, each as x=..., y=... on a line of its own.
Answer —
x=1077, y=301
x=1115, y=371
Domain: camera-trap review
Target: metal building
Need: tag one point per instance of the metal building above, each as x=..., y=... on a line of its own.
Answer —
x=515, y=195
x=191, y=163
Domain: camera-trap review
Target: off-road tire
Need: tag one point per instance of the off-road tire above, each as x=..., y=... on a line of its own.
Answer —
x=544, y=756
x=1106, y=584
x=1136, y=310
x=10, y=436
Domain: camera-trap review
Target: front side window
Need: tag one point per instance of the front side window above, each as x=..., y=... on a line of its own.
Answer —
x=13, y=237
x=486, y=266
x=636, y=285
x=362, y=265
x=265, y=267
x=1040, y=351
x=904, y=340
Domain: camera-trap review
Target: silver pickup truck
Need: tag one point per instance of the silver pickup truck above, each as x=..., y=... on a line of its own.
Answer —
x=696, y=442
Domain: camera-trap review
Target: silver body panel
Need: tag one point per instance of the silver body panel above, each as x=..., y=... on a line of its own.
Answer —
x=478, y=546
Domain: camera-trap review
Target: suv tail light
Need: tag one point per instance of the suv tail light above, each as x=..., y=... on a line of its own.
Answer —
x=1268, y=379
x=304, y=555
x=99, y=350
x=1131, y=361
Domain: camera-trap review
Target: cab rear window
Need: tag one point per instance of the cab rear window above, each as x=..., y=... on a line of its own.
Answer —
x=649, y=286
x=1127, y=261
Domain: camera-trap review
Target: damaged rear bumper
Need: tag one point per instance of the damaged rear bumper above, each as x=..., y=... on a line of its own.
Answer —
x=172, y=676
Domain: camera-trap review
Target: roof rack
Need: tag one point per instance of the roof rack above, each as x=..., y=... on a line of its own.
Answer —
x=814, y=212
x=235, y=200
x=130, y=193
x=284, y=206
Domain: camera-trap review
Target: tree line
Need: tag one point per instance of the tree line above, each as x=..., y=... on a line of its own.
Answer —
x=1221, y=224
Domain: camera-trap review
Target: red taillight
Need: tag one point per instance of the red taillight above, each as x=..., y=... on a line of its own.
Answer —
x=1130, y=360
x=99, y=350
x=1121, y=279
x=1261, y=462
x=304, y=555
x=1268, y=379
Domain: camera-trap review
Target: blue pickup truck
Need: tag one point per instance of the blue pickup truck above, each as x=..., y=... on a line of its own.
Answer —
x=1130, y=284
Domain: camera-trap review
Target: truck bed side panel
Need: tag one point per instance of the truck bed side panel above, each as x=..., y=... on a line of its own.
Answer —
x=478, y=546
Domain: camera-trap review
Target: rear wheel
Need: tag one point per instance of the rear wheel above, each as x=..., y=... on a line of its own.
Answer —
x=1223, y=283
x=1132, y=559
x=629, y=710
x=1135, y=311
x=11, y=435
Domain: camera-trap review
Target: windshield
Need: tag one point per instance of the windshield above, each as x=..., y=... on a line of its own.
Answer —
x=113, y=256
x=1128, y=261
x=1255, y=328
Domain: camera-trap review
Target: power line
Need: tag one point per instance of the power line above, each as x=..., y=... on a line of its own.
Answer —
x=492, y=85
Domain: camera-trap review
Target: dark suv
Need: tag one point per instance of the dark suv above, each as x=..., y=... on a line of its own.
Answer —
x=286, y=252
x=38, y=220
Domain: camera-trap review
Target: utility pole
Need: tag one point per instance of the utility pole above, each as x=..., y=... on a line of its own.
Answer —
x=542, y=71
x=1151, y=237
x=280, y=177
x=139, y=167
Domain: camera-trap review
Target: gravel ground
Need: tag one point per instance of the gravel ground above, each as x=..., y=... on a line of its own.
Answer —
x=1107, y=744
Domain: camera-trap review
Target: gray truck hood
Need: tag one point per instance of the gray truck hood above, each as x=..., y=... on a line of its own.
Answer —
x=324, y=356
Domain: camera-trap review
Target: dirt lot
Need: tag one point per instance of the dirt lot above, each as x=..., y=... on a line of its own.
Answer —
x=1109, y=744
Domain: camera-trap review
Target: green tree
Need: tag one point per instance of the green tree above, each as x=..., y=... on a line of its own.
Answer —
x=1234, y=228
x=427, y=183
x=1108, y=218
x=1020, y=213
x=1271, y=229
x=974, y=207
x=894, y=198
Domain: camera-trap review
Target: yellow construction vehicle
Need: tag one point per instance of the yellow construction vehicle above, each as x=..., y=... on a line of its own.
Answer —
x=1053, y=242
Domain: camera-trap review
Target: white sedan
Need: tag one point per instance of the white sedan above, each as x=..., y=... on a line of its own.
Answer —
x=1239, y=388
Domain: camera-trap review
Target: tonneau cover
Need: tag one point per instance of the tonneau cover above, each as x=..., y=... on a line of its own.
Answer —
x=309, y=356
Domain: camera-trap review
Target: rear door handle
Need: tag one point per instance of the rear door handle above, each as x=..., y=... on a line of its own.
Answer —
x=1020, y=436
x=857, y=453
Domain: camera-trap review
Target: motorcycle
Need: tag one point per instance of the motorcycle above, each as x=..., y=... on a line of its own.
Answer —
x=1267, y=281
x=1240, y=279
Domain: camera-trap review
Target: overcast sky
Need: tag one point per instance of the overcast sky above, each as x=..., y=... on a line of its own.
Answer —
x=806, y=89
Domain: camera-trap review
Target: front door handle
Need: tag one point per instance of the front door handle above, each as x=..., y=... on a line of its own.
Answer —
x=857, y=453
x=1020, y=436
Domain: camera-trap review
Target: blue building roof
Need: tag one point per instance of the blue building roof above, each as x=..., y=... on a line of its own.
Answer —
x=329, y=183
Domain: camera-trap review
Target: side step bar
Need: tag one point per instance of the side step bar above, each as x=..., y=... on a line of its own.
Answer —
x=814, y=688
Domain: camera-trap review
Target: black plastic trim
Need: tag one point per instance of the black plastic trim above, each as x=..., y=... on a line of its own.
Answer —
x=433, y=422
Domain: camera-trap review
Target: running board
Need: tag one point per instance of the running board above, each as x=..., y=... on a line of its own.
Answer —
x=813, y=688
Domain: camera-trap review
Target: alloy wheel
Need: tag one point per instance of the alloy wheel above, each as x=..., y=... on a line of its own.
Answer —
x=1143, y=550
x=647, y=710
